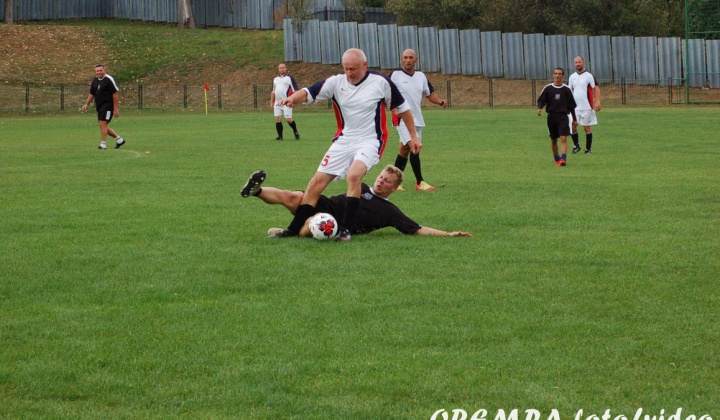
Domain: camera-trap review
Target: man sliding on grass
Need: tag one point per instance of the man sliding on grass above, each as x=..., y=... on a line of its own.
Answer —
x=375, y=211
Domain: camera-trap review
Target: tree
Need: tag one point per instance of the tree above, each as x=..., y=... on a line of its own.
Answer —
x=550, y=17
x=186, y=16
x=298, y=11
x=9, y=8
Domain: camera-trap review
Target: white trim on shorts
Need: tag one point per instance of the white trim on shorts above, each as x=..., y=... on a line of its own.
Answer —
x=405, y=134
x=586, y=117
x=340, y=156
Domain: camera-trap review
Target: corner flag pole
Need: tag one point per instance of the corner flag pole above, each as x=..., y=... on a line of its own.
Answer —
x=206, y=88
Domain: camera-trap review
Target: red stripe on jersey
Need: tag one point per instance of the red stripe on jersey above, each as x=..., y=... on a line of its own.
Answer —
x=339, y=120
x=383, y=128
x=591, y=100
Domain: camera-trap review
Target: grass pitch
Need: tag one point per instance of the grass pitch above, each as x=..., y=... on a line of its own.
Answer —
x=136, y=283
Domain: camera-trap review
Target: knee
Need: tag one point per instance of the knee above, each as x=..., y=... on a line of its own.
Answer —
x=354, y=178
x=292, y=199
x=315, y=187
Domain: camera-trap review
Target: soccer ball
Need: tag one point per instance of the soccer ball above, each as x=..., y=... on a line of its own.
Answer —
x=323, y=226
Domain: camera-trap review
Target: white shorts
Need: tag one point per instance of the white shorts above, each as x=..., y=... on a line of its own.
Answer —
x=283, y=111
x=405, y=134
x=586, y=117
x=340, y=156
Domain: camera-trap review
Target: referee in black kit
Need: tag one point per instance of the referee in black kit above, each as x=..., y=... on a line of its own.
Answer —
x=104, y=90
x=558, y=100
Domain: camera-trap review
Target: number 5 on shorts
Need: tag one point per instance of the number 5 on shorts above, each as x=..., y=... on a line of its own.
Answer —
x=325, y=160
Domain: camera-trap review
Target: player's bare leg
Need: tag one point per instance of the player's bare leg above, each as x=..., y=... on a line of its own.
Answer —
x=563, y=150
x=290, y=199
x=104, y=129
x=307, y=205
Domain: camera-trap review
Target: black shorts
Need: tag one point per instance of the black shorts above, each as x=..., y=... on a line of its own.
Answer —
x=558, y=125
x=324, y=205
x=105, y=112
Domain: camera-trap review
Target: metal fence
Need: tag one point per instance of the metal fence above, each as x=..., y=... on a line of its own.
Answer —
x=460, y=94
x=246, y=14
x=492, y=54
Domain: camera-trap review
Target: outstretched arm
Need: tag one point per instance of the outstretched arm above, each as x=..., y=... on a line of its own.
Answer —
x=298, y=97
x=430, y=231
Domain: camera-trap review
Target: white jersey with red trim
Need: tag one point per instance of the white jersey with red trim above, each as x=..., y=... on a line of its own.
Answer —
x=360, y=109
x=413, y=88
x=582, y=85
x=283, y=87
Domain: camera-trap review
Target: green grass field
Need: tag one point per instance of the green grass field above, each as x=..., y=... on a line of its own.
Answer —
x=137, y=284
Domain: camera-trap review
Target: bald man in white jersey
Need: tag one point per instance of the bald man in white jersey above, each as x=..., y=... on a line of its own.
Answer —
x=361, y=99
x=586, y=91
x=414, y=86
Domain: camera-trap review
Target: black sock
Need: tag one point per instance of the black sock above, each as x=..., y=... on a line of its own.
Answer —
x=301, y=215
x=351, y=206
x=415, y=163
x=575, y=138
x=293, y=126
x=401, y=162
x=588, y=141
x=279, y=128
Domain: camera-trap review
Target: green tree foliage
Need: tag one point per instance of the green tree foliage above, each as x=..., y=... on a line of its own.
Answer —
x=704, y=18
x=572, y=17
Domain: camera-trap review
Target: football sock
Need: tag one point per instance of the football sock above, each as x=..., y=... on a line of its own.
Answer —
x=401, y=162
x=575, y=138
x=301, y=215
x=351, y=206
x=279, y=128
x=563, y=156
x=415, y=163
x=293, y=126
x=588, y=141
x=556, y=156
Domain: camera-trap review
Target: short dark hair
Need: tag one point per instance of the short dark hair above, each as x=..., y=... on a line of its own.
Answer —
x=561, y=70
x=99, y=65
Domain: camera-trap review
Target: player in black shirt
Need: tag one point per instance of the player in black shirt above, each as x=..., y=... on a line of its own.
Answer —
x=104, y=90
x=559, y=103
x=374, y=212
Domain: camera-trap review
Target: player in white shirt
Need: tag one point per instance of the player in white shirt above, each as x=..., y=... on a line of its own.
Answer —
x=586, y=91
x=284, y=85
x=360, y=99
x=414, y=86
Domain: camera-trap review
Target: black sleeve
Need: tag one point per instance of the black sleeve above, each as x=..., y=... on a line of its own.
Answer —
x=404, y=224
x=541, y=99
